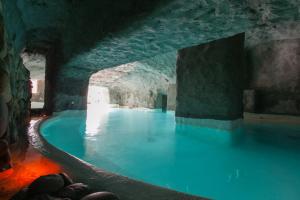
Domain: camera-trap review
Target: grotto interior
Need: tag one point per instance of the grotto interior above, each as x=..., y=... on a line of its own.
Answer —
x=215, y=64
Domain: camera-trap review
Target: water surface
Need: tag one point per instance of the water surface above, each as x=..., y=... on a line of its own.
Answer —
x=255, y=162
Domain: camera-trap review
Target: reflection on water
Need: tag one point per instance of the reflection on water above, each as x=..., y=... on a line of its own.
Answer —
x=96, y=118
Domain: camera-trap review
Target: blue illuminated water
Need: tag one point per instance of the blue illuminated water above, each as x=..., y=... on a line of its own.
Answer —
x=255, y=162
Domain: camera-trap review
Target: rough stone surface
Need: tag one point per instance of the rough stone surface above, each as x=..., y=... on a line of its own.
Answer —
x=5, y=91
x=94, y=35
x=46, y=185
x=138, y=84
x=75, y=191
x=171, y=105
x=5, y=157
x=36, y=64
x=15, y=87
x=67, y=180
x=101, y=196
x=209, y=80
x=274, y=73
x=21, y=195
x=46, y=197
x=71, y=94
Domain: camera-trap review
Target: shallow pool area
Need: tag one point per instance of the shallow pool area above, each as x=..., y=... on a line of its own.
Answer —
x=257, y=161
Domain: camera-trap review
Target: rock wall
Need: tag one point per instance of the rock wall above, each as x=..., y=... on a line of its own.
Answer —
x=14, y=94
x=274, y=75
x=139, y=84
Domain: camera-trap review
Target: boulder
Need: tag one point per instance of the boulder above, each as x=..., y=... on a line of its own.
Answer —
x=101, y=196
x=67, y=179
x=46, y=197
x=21, y=195
x=75, y=191
x=48, y=184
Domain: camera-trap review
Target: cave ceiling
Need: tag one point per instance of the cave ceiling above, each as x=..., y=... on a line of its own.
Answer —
x=95, y=35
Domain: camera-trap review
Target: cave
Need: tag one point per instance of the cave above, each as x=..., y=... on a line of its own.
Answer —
x=140, y=100
x=36, y=64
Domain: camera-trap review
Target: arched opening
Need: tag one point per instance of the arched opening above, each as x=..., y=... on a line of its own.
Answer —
x=35, y=63
x=133, y=85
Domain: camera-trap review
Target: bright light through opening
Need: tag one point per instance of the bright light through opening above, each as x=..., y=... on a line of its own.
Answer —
x=34, y=86
x=97, y=109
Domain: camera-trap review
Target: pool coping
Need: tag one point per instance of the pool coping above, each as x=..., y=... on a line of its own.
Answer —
x=98, y=179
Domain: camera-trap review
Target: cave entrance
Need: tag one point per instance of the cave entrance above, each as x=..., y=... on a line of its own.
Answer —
x=36, y=63
x=140, y=84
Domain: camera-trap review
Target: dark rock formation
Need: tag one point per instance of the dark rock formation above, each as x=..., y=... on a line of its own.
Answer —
x=46, y=197
x=59, y=187
x=67, y=179
x=46, y=185
x=101, y=196
x=209, y=80
x=14, y=91
x=3, y=117
x=21, y=195
x=75, y=191
x=4, y=156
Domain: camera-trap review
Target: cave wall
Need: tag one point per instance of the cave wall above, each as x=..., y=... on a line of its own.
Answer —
x=14, y=90
x=274, y=75
x=210, y=80
x=139, y=84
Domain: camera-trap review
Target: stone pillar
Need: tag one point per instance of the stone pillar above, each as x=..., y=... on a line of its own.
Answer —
x=71, y=93
x=171, y=97
x=54, y=60
x=61, y=91
x=210, y=83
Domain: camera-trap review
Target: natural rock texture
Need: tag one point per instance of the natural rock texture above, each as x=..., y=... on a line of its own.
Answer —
x=5, y=157
x=3, y=117
x=46, y=185
x=274, y=73
x=138, y=84
x=101, y=196
x=75, y=191
x=70, y=94
x=36, y=64
x=14, y=89
x=93, y=35
x=271, y=32
x=172, y=91
x=209, y=80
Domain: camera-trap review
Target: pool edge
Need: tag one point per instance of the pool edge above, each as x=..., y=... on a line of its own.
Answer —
x=81, y=171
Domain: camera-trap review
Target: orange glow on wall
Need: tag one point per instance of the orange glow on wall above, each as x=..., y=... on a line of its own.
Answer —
x=26, y=167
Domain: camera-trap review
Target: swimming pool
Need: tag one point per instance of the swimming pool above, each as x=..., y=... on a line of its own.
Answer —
x=254, y=162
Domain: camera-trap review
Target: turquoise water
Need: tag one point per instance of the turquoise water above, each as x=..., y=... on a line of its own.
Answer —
x=255, y=162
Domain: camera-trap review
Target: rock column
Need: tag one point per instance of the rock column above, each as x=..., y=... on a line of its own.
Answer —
x=210, y=83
